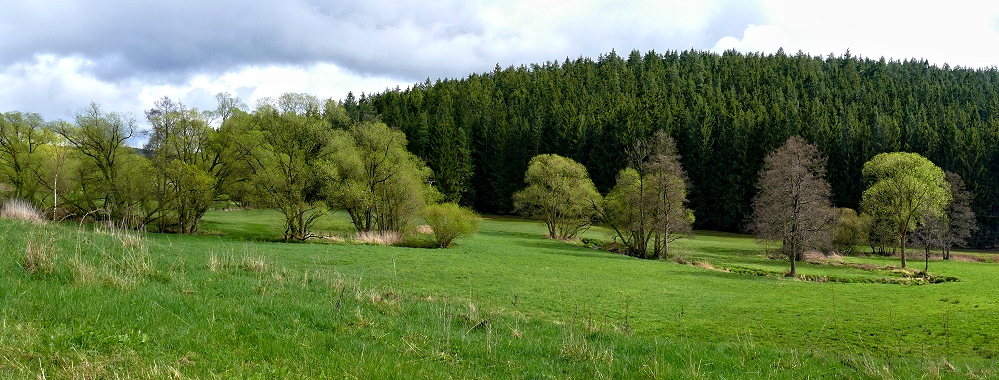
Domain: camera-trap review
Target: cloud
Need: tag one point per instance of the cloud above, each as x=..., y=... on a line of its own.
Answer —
x=960, y=32
x=60, y=55
x=406, y=39
x=55, y=87
x=764, y=38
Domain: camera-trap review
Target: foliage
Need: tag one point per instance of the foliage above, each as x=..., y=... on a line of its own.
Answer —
x=726, y=111
x=648, y=203
x=450, y=221
x=370, y=174
x=851, y=230
x=905, y=188
x=187, y=162
x=793, y=203
x=284, y=150
x=110, y=177
x=559, y=192
x=22, y=140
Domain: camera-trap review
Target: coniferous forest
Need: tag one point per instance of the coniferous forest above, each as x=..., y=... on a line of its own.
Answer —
x=725, y=112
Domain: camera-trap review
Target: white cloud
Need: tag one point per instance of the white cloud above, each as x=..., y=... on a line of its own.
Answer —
x=55, y=86
x=126, y=56
x=764, y=38
x=957, y=32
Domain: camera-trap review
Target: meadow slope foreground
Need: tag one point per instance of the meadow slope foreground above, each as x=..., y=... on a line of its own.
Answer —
x=79, y=301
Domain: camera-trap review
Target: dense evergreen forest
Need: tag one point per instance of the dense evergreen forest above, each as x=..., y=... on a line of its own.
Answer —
x=726, y=112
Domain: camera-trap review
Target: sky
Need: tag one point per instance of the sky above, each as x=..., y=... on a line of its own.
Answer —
x=57, y=56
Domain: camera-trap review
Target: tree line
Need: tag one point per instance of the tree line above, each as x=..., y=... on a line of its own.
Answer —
x=725, y=112
x=909, y=199
x=297, y=154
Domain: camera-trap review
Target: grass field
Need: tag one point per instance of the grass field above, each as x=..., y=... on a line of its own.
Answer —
x=507, y=303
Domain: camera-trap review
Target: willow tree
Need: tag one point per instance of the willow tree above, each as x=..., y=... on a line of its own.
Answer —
x=186, y=163
x=560, y=193
x=370, y=174
x=110, y=176
x=285, y=145
x=23, y=137
x=904, y=189
x=793, y=202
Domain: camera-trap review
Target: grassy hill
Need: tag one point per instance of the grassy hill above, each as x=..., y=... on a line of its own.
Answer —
x=85, y=302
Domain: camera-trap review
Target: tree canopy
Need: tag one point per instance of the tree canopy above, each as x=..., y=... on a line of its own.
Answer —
x=647, y=206
x=905, y=188
x=560, y=193
x=725, y=111
x=793, y=203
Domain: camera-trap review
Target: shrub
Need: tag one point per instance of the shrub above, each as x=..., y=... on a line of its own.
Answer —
x=851, y=231
x=20, y=209
x=450, y=221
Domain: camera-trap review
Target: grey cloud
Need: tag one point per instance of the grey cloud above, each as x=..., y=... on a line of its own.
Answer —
x=168, y=41
x=733, y=19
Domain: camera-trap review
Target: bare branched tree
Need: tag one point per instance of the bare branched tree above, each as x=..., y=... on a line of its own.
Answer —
x=793, y=203
x=961, y=219
x=647, y=208
x=929, y=234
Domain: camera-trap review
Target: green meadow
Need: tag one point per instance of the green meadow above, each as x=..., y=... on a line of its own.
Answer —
x=79, y=301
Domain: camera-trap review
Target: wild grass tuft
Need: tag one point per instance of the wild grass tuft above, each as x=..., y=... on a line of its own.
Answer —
x=19, y=209
x=40, y=250
x=225, y=260
x=378, y=237
x=504, y=304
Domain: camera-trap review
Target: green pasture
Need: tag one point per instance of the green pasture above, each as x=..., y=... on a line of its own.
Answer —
x=506, y=303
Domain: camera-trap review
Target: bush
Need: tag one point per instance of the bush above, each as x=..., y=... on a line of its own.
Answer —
x=450, y=221
x=851, y=231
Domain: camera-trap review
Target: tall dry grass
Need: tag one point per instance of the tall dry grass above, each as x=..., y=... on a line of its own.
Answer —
x=19, y=209
x=378, y=237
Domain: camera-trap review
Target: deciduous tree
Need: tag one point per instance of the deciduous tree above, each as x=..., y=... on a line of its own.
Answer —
x=186, y=163
x=851, y=230
x=647, y=206
x=285, y=150
x=370, y=174
x=961, y=221
x=110, y=175
x=792, y=205
x=905, y=188
x=22, y=138
x=560, y=193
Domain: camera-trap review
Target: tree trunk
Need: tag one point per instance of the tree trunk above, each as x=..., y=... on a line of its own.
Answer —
x=927, y=268
x=794, y=266
x=665, y=254
x=902, y=243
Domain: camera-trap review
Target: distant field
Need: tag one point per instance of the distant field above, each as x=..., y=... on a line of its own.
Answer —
x=506, y=303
